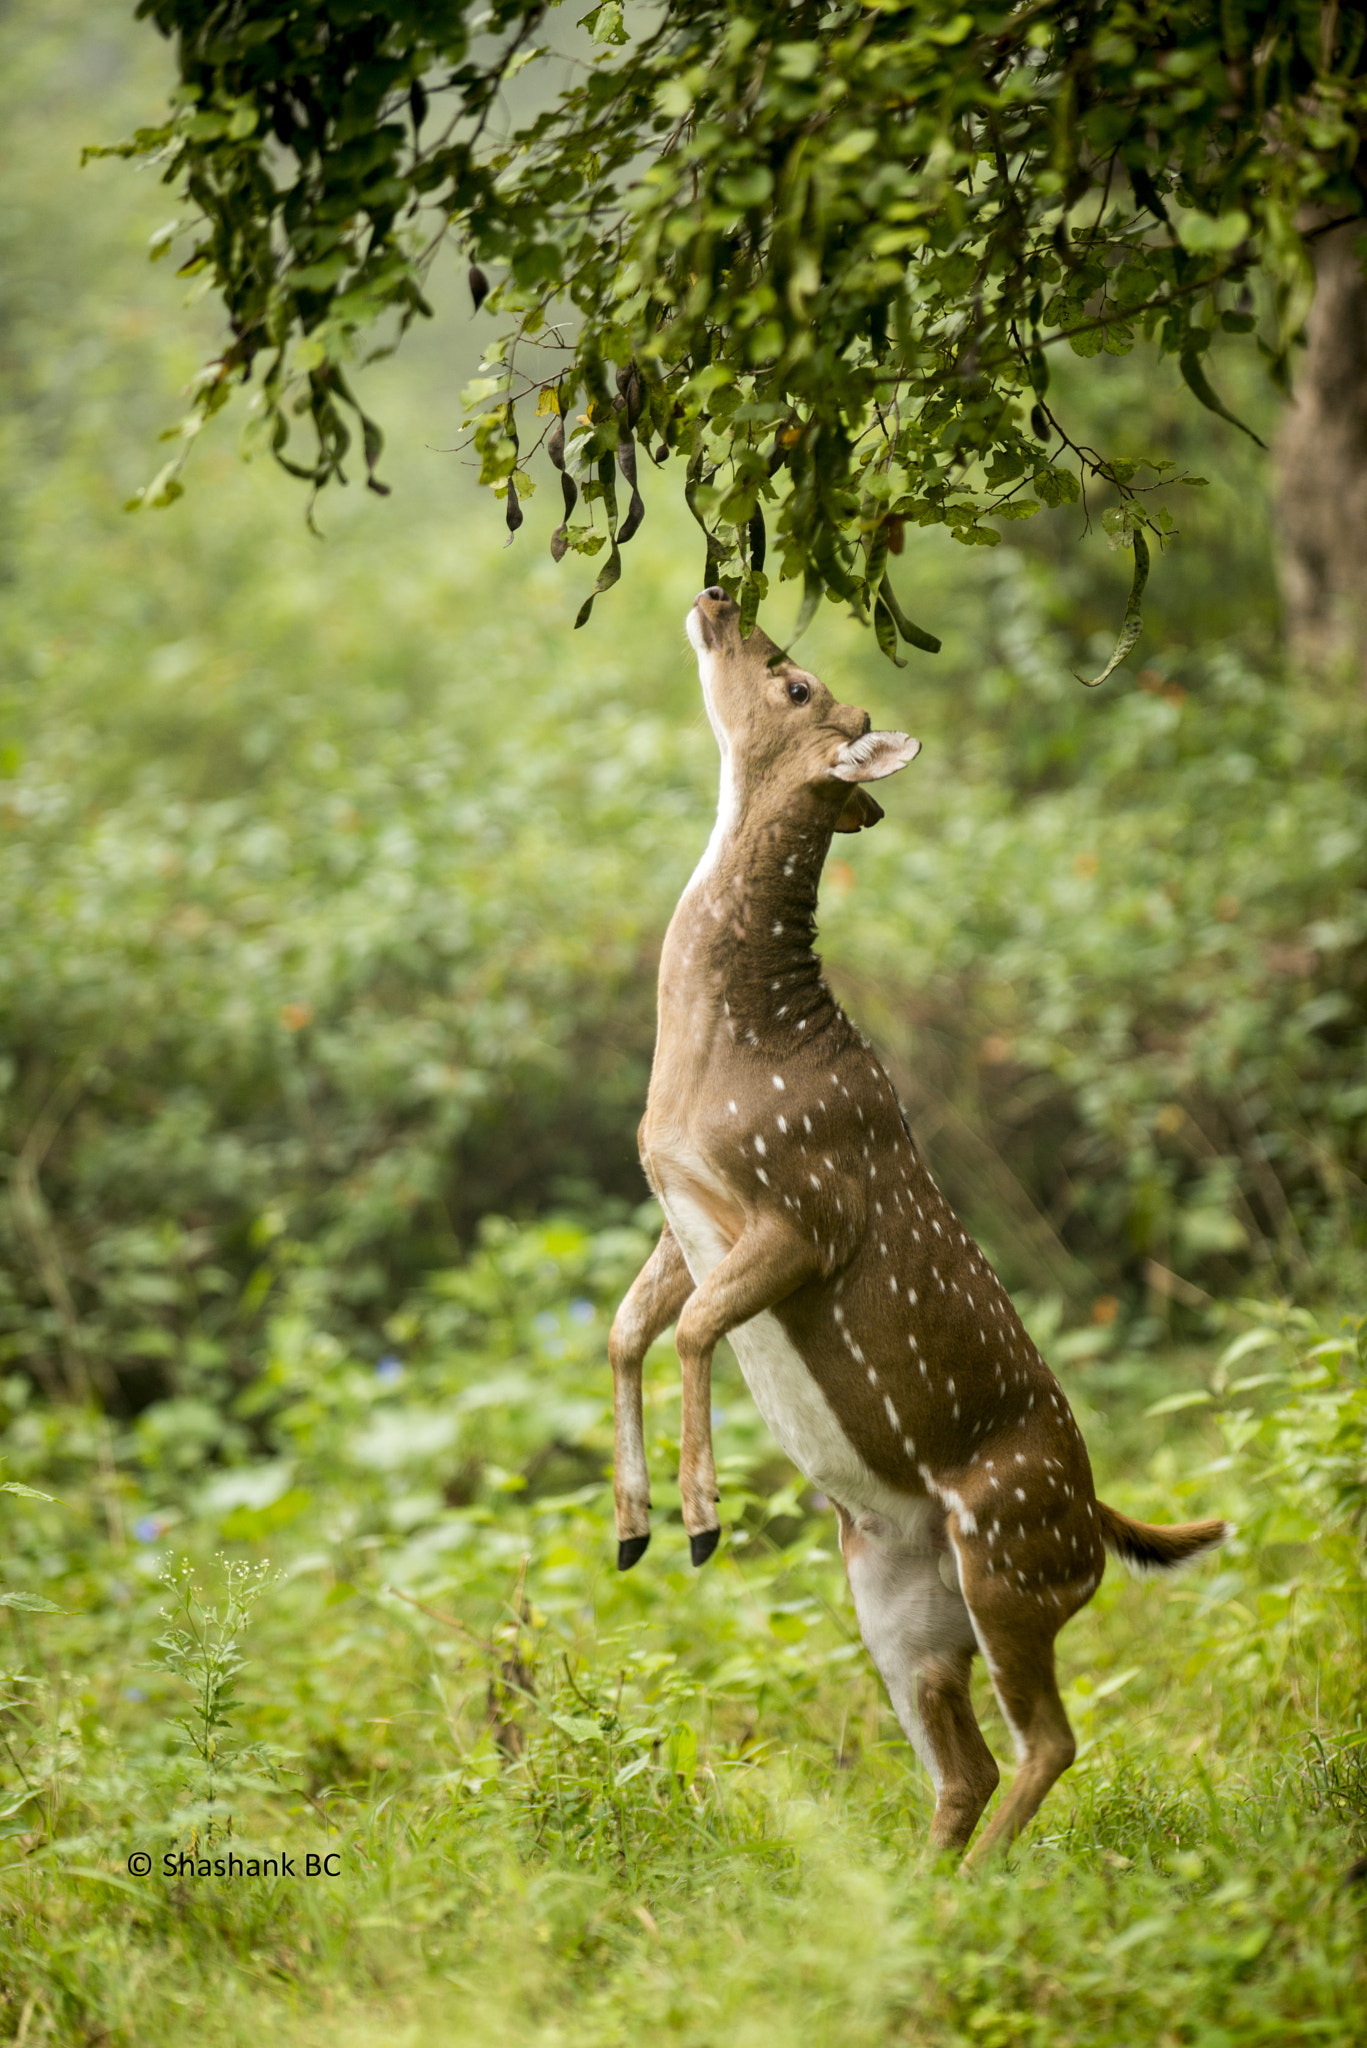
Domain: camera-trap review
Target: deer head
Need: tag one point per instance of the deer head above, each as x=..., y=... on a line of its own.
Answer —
x=785, y=741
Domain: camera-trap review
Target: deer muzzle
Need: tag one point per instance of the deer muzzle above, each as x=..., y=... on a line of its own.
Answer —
x=713, y=612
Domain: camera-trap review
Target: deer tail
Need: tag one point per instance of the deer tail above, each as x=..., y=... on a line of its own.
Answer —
x=1148, y=1549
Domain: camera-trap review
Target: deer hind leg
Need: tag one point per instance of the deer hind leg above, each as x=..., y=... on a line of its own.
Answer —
x=918, y=1632
x=652, y=1303
x=1016, y=1624
x=763, y=1267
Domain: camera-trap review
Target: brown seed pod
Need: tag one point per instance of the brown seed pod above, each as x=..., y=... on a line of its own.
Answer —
x=758, y=541
x=569, y=491
x=629, y=391
x=636, y=511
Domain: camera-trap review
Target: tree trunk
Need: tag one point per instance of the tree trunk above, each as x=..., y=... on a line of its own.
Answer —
x=1322, y=458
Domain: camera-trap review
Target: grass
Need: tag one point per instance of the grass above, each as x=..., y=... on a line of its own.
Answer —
x=567, y=1805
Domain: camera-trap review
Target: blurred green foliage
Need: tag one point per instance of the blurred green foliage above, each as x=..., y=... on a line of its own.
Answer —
x=333, y=872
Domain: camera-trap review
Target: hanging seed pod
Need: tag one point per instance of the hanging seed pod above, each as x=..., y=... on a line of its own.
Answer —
x=607, y=484
x=876, y=560
x=749, y=607
x=897, y=534
x=636, y=511
x=555, y=443
x=1039, y=425
x=692, y=479
x=759, y=541
x=514, y=513
x=569, y=491
x=417, y=103
x=629, y=390
x=914, y=635
x=885, y=632
x=479, y=286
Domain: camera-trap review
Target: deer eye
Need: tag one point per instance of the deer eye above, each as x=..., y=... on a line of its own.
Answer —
x=798, y=693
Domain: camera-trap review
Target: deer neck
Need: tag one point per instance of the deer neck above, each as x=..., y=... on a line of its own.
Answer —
x=741, y=946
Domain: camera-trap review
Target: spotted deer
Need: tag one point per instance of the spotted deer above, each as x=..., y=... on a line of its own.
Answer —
x=802, y=1223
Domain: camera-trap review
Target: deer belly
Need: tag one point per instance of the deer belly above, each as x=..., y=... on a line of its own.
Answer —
x=799, y=1417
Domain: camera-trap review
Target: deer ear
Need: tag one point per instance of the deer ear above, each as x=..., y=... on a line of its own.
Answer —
x=875, y=755
x=858, y=812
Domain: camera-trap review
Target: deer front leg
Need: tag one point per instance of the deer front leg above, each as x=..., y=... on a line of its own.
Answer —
x=652, y=1303
x=764, y=1266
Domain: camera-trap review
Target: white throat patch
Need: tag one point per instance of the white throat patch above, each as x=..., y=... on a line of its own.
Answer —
x=727, y=805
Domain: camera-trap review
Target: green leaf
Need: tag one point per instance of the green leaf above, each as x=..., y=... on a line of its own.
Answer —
x=32, y=1603
x=1171, y=1403
x=811, y=598
x=1052, y=486
x=748, y=188
x=163, y=490
x=578, y=1727
x=1207, y=234
x=952, y=31
x=604, y=23
x=1089, y=342
x=797, y=61
x=681, y=1752
x=320, y=277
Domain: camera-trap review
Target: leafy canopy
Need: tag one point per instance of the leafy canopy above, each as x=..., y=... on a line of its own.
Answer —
x=821, y=254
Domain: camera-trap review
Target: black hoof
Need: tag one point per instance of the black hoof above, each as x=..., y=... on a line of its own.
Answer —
x=700, y=1547
x=630, y=1551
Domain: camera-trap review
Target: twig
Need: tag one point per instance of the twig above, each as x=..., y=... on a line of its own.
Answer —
x=447, y=1620
x=1170, y=1284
